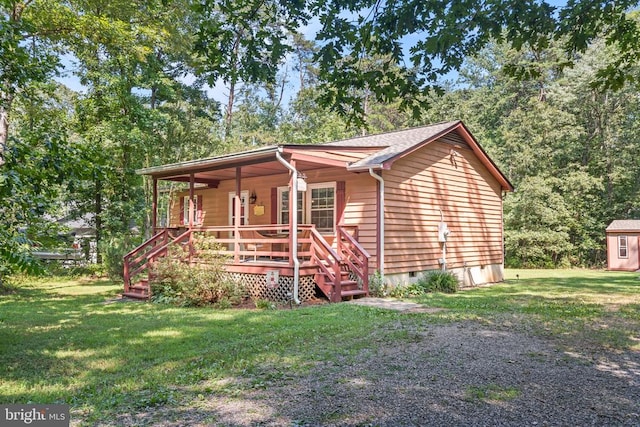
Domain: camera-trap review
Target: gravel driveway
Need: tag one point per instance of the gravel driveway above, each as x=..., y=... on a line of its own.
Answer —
x=460, y=374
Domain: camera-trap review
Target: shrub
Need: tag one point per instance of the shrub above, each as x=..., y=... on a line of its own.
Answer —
x=434, y=281
x=113, y=251
x=57, y=268
x=409, y=291
x=202, y=283
x=377, y=286
x=441, y=281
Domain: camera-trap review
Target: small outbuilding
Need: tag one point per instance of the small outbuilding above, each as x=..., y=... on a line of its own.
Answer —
x=623, y=241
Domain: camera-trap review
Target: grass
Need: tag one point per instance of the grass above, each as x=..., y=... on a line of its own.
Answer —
x=588, y=306
x=66, y=341
x=491, y=392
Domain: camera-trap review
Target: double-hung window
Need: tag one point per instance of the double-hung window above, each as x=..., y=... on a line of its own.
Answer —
x=623, y=251
x=316, y=206
x=283, y=206
x=321, y=199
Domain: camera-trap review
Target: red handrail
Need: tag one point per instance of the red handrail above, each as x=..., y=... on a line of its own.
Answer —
x=141, y=258
x=328, y=262
x=140, y=253
x=354, y=255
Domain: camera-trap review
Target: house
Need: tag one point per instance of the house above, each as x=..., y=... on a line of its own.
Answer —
x=76, y=243
x=400, y=203
x=623, y=241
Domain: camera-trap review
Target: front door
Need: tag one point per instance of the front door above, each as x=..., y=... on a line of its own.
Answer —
x=244, y=208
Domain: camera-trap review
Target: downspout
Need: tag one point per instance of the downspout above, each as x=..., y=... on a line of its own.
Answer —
x=294, y=226
x=444, y=244
x=381, y=219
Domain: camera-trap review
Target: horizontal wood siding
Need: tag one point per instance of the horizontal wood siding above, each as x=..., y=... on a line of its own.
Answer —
x=420, y=185
x=632, y=261
x=360, y=201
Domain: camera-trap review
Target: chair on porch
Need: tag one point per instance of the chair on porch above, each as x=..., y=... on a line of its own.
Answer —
x=257, y=242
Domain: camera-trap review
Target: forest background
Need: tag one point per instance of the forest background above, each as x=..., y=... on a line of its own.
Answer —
x=550, y=91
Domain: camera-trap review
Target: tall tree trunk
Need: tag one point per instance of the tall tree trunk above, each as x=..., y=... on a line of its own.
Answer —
x=98, y=222
x=4, y=132
x=230, y=101
x=232, y=83
x=365, y=109
x=6, y=98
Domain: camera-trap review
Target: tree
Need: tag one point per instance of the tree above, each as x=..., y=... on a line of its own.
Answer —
x=27, y=53
x=428, y=39
x=40, y=162
x=245, y=41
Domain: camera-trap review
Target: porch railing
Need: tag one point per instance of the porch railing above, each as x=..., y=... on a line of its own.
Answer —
x=353, y=254
x=265, y=242
x=134, y=260
x=140, y=259
x=328, y=262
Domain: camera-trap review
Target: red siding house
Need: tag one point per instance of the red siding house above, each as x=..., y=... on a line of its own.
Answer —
x=328, y=216
x=623, y=241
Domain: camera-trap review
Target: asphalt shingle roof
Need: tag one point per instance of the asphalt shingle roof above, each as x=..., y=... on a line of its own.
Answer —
x=624, y=225
x=392, y=143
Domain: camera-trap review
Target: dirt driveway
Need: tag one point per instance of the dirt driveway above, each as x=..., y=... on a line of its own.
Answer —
x=455, y=374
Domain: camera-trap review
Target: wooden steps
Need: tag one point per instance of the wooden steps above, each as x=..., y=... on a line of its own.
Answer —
x=349, y=289
x=138, y=291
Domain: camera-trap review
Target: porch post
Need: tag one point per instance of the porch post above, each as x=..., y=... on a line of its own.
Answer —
x=293, y=214
x=237, y=201
x=154, y=203
x=191, y=213
x=191, y=194
x=293, y=238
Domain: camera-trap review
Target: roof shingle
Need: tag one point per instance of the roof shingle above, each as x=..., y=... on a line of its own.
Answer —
x=624, y=225
x=396, y=143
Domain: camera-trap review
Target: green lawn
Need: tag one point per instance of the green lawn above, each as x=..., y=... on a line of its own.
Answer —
x=66, y=341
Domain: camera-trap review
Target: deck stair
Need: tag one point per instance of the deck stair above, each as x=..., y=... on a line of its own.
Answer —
x=336, y=268
x=138, y=262
x=139, y=290
x=347, y=288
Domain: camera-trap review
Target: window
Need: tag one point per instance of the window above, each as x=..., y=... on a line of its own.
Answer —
x=322, y=206
x=283, y=206
x=197, y=213
x=622, y=247
x=315, y=206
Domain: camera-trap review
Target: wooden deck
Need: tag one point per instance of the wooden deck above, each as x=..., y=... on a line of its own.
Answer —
x=339, y=271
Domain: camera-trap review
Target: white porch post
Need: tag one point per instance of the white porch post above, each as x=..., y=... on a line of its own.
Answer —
x=293, y=222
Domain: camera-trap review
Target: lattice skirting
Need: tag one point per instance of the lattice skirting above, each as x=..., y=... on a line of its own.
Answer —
x=257, y=286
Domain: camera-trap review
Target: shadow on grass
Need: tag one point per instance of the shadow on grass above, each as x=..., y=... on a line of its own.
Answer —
x=109, y=358
x=594, y=306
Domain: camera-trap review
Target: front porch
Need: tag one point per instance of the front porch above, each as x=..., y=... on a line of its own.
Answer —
x=269, y=260
x=273, y=209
